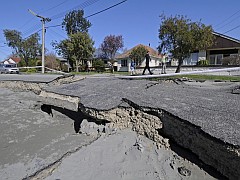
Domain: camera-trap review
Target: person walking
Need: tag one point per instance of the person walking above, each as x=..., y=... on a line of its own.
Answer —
x=164, y=64
x=148, y=58
x=88, y=66
x=132, y=67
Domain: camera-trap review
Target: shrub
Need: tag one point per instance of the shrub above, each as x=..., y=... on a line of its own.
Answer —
x=99, y=65
x=52, y=63
x=64, y=67
x=203, y=63
x=31, y=70
x=231, y=60
x=22, y=69
x=31, y=62
x=37, y=63
x=22, y=63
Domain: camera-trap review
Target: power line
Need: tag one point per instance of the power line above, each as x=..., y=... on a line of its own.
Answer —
x=32, y=29
x=26, y=23
x=80, y=6
x=57, y=33
x=86, y=3
x=95, y=13
x=232, y=29
x=106, y=9
x=32, y=34
x=42, y=12
x=227, y=18
x=54, y=6
x=228, y=22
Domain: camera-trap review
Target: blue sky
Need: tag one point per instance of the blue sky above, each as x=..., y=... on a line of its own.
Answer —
x=136, y=20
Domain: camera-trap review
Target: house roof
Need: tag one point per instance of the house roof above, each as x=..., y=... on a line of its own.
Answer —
x=62, y=59
x=224, y=42
x=15, y=59
x=12, y=60
x=152, y=52
x=226, y=37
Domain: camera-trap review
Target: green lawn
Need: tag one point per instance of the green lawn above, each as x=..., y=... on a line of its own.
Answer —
x=210, y=77
x=105, y=72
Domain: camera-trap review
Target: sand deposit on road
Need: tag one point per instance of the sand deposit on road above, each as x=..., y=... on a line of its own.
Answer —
x=125, y=155
x=32, y=141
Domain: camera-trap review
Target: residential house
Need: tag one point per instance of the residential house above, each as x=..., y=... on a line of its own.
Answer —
x=64, y=64
x=12, y=60
x=224, y=46
x=99, y=54
x=124, y=61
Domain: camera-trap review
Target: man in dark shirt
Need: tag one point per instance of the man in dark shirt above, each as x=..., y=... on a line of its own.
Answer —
x=148, y=58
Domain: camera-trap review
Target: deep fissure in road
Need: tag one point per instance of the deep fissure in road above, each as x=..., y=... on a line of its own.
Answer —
x=166, y=130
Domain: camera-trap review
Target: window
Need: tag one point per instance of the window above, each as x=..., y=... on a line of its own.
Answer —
x=124, y=63
x=212, y=60
x=216, y=59
x=219, y=59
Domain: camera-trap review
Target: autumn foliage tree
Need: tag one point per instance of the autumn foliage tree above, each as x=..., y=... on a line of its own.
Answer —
x=180, y=36
x=52, y=62
x=111, y=45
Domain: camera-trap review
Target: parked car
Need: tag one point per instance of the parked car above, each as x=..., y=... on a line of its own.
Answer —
x=8, y=68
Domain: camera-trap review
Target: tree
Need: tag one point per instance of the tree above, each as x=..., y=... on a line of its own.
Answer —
x=111, y=45
x=99, y=65
x=27, y=48
x=74, y=22
x=52, y=62
x=138, y=54
x=180, y=36
x=77, y=48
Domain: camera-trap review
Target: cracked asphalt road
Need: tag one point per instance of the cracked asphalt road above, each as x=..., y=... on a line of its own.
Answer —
x=29, y=77
x=212, y=107
x=31, y=139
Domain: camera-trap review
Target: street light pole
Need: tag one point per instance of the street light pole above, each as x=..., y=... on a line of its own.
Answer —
x=43, y=19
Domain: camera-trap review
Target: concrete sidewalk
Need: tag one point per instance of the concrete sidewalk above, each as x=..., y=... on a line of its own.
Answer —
x=169, y=70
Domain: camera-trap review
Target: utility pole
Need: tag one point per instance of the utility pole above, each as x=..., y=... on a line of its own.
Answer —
x=43, y=19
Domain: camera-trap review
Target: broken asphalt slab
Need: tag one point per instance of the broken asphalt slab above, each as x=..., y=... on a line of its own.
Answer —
x=215, y=112
x=35, y=145
x=203, y=120
x=35, y=82
x=199, y=111
x=38, y=78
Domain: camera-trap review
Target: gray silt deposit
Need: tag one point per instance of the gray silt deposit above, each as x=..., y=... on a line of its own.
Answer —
x=158, y=111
